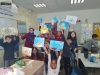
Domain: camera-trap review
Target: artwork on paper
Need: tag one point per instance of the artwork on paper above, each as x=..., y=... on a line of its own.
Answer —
x=39, y=42
x=63, y=25
x=37, y=32
x=56, y=45
x=8, y=31
x=26, y=51
x=71, y=19
x=40, y=20
x=48, y=25
x=44, y=30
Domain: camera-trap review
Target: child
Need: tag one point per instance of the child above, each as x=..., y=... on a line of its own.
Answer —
x=53, y=64
x=87, y=46
x=9, y=50
x=16, y=49
x=67, y=50
x=35, y=55
x=53, y=37
x=58, y=36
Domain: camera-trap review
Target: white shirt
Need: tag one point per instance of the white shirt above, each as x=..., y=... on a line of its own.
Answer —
x=53, y=71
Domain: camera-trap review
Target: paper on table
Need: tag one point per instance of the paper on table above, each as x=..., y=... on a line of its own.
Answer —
x=18, y=72
x=5, y=71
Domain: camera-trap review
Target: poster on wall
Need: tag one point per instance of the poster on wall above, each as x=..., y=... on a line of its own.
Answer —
x=22, y=29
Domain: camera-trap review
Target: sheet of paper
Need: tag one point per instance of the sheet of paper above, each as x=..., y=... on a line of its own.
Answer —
x=39, y=42
x=71, y=19
x=26, y=51
x=18, y=72
x=56, y=45
x=37, y=32
x=5, y=71
x=44, y=30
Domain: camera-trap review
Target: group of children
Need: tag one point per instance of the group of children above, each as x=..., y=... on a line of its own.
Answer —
x=52, y=65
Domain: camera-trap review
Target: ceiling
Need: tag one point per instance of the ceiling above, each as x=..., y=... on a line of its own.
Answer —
x=57, y=5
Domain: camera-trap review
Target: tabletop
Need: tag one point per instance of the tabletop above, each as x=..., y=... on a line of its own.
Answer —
x=87, y=63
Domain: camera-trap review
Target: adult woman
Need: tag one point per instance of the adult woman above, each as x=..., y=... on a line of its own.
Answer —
x=29, y=38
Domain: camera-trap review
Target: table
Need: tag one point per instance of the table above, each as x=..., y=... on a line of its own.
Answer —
x=85, y=63
x=34, y=68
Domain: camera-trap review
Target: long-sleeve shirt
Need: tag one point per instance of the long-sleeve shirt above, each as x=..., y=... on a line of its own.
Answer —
x=67, y=48
x=9, y=48
x=74, y=41
x=89, y=44
x=53, y=71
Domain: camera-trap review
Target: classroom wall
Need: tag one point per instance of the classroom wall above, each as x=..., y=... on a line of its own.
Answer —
x=92, y=15
x=24, y=15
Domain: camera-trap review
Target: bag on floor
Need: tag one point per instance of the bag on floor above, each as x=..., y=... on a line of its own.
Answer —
x=77, y=71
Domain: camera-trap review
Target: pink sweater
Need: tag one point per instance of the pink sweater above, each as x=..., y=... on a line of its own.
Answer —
x=53, y=71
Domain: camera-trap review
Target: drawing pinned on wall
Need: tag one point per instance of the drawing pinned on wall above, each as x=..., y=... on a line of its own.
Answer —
x=71, y=19
x=39, y=42
x=26, y=51
x=56, y=45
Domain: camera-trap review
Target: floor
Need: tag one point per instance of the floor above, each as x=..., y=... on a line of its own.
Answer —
x=90, y=72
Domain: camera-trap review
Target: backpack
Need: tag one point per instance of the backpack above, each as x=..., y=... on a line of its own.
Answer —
x=77, y=71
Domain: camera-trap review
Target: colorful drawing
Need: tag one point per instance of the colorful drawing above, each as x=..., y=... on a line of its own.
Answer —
x=55, y=19
x=39, y=42
x=56, y=45
x=37, y=32
x=63, y=25
x=44, y=30
x=40, y=20
x=71, y=19
x=26, y=51
x=48, y=25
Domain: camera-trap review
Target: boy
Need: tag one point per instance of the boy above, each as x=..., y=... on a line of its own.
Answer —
x=8, y=50
x=87, y=46
x=67, y=54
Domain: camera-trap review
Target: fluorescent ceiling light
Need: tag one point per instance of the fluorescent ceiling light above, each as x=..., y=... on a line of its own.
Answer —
x=82, y=1
x=75, y=1
x=72, y=1
x=79, y=1
x=39, y=5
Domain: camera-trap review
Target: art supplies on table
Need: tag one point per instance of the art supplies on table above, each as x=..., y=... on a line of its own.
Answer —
x=39, y=42
x=26, y=51
x=44, y=30
x=56, y=45
x=71, y=19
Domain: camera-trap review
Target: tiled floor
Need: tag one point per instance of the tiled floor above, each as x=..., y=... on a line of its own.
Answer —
x=90, y=72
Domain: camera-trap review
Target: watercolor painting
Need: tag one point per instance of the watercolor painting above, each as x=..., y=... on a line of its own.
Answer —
x=48, y=25
x=26, y=51
x=39, y=42
x=40, y=20
x=43, y=30
x=56, y=45
x=37, y=32
x=71, y=19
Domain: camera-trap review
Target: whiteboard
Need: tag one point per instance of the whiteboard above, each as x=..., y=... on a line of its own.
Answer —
x=6, y=23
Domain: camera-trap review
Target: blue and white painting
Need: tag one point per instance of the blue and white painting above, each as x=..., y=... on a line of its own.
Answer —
x=37, y=32
x=39, y=42
x=56, y=45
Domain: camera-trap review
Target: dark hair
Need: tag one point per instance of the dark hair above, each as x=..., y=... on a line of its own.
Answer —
x=75, y=35
x=69, y=38
x=54, y=59
x=37, y=54
x=46, y=40
x=94, y=36
x=8, y=37
x=31, y=28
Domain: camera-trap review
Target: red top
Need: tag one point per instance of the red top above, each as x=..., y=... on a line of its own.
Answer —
x=27, y=44
x=58, y=38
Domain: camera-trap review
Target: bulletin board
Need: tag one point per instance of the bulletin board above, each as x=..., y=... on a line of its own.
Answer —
x=96, y=29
